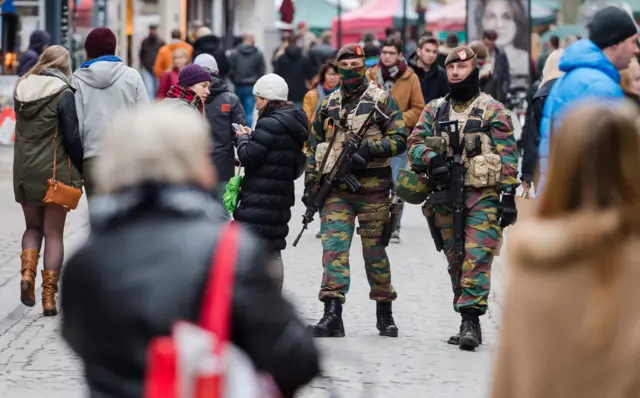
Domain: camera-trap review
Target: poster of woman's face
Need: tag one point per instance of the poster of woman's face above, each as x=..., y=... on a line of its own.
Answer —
x=510, y=20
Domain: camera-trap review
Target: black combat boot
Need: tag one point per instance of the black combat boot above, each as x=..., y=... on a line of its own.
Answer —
x=455, y=339
x=469, y=332
x=331, y=323
x=385, y=323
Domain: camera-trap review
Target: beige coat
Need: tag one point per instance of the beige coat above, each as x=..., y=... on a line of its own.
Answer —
x=544, y=351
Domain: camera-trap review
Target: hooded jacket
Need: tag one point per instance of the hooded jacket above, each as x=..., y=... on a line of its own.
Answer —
x=37, y=42
x=104, y=88
x=222, y=108
x=554, y=288
x=247, y=65
x=294, y=68
x=45, y=122
x=588, y=74
x=151, y=286
x=272, y=158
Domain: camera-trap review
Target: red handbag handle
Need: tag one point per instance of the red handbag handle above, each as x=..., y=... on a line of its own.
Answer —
x=215, y=314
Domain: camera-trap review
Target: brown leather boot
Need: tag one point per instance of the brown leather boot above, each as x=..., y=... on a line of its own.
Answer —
x=28, y=270
x=49, y=290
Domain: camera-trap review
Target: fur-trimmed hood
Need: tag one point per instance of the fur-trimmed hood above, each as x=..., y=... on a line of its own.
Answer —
x=562, y=241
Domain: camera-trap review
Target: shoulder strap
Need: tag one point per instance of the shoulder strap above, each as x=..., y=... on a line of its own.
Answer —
x=215, y=314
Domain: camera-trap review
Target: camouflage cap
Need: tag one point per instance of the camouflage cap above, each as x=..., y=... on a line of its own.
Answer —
x=350, y=51
x=459, y=54
x=478, y=48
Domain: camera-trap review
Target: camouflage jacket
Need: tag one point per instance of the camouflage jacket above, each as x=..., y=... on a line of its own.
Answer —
x=502, y=139
x=393, y=130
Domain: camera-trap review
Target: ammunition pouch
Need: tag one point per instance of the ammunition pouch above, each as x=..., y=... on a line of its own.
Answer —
x=483, y=170
x=374, y=222
x=438, y=144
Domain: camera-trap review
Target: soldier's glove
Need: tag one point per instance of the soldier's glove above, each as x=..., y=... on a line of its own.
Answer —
x=308, y=193
x=361, y=159
x=507, y=211
x=439, y=169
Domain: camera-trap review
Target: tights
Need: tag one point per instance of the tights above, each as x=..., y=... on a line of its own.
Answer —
x=45, y=222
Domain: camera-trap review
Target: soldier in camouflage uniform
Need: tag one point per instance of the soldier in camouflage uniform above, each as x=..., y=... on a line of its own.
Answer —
x=491, y=163
x=341, y=113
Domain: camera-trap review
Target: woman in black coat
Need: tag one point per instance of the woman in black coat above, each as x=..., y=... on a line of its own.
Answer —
x=531, y=132
x=272, y=158
x=148, y=259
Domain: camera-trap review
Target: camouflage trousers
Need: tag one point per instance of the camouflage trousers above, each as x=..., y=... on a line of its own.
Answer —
x=337, y=227
x=471, y=280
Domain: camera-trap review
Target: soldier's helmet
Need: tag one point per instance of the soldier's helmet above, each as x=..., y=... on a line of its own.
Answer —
x=412, y=187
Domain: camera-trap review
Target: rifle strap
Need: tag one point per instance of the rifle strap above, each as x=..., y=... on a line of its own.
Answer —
x=443, y=109
x=326, y=155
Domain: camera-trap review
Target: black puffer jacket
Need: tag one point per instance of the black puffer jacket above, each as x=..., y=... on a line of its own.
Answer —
x=119, y=291
x=272, y=157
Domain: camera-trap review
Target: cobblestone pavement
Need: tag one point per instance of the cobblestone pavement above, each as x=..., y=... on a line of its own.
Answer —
x=34, y=362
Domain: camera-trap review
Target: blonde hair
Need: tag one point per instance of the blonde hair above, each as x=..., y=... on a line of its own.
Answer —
x=155, y=142
x=551, y=68
x=626, y=76
x=594, y=164
x=54, y=57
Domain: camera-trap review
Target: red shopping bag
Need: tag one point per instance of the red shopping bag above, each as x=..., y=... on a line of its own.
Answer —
x=198, y=361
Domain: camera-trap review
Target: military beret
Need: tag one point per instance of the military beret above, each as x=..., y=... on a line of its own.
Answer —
x=350, y=51
x=479, y=49
x=459, y=54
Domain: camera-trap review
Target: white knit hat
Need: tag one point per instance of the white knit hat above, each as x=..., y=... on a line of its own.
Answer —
x=271, y=87
x=207, y=61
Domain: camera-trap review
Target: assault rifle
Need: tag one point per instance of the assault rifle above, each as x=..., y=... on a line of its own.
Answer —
x=454, y=196
x=340, y=173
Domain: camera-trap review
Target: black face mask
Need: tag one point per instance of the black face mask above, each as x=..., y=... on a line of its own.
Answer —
x=466, y=89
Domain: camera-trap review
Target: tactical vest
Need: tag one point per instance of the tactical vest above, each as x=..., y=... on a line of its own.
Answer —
x=341, y=124
x=482, y=162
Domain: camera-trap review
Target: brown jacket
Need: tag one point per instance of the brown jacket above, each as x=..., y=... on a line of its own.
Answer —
x=406, y=90
x=164, y=59
x=545, y=350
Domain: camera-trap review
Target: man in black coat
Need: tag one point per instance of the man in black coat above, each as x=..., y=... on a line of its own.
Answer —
x=433, y=77
x=222, y=108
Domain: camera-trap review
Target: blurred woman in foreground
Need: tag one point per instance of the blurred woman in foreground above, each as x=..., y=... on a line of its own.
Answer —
x=571, y=326
x=148, y=257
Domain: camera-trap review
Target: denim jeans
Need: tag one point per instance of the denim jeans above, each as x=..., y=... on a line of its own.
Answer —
x=150, y=83
x=245, y=93
x=397, y=163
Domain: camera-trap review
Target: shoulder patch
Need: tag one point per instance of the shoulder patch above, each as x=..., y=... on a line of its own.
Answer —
x=225, y=107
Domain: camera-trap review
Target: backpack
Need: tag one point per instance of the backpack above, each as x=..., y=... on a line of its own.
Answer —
x=199, y=361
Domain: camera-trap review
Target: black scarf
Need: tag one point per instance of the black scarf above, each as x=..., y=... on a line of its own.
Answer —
x=468, y=88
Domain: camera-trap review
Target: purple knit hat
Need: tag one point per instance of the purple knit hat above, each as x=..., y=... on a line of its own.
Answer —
x=193, y=74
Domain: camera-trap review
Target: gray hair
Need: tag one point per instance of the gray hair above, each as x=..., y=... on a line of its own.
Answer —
x=155, y=142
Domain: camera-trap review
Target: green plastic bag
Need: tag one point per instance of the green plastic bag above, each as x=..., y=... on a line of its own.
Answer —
x=231, y=193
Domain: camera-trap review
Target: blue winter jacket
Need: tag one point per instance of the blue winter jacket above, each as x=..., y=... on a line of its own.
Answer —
x=588, y=73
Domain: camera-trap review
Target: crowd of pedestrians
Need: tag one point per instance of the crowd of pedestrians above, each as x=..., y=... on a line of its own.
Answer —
x=167, y=173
